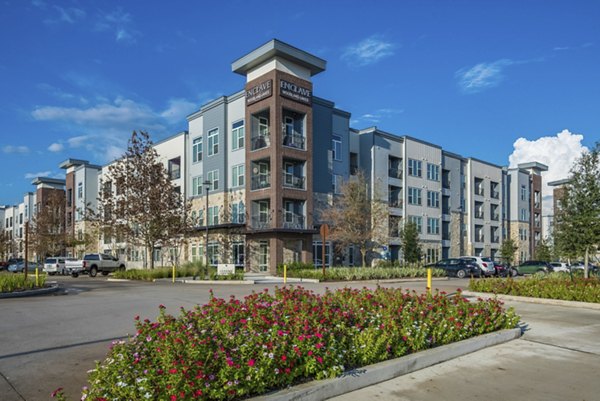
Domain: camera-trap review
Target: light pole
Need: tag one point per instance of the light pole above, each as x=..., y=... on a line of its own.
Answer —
x=207, y=186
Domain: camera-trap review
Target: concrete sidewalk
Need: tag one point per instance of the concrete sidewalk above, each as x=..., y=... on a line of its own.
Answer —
x=557, y=358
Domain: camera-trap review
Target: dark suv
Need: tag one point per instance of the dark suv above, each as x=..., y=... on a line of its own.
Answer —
x=460, y=268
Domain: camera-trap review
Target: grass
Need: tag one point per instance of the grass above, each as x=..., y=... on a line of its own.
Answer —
x=359, y=273
x=193, y=269
x=11, y=282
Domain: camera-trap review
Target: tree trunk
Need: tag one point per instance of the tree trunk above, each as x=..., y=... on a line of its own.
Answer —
x=586, y=261
x=363, y=254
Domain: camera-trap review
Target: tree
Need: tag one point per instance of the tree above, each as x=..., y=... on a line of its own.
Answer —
x=409, y=242
x=47, y=229
x=5, y=245
x=507, y=251
x=138, y=201
x=543, y=252
x=355, y=218
x=577, y=229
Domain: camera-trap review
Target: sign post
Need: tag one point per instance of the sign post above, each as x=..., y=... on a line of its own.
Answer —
x=324, y=234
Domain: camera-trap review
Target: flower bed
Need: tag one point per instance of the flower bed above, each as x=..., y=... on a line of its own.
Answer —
x=359, y=273
x=10, y=282
x=189, y=270
x=553, y=286
x=238, y=348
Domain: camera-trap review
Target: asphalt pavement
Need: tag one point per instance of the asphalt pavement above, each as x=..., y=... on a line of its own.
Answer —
x=52, y=341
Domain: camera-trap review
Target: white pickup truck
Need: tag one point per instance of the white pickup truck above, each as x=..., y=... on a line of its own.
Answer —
x=93, y=263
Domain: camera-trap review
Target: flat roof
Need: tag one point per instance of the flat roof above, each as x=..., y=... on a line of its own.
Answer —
x=558, y=183
x=534, y=165
x=276, y=48
x=72, y=162
x=48, y=180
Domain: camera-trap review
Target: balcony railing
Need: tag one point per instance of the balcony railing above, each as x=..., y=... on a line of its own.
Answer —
x=294, y=140
x=495, y=194
x=395, y=202
x=260, y=141
x=295, y=221
x=395, y=172
x=293, y=181
x=261, y=222
x=261, y=181
x=478, y=215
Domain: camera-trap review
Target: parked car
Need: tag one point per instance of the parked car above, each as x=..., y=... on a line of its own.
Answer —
x=485, y=264
x=56, y=265
x=559, y=267
x=4, y=265
x=534, y=266
x=581, y=266
x=19, y=267
x=93, y=263
x=458, y=267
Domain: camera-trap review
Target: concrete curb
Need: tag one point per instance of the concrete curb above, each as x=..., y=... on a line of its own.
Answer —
x=242, y=282
x=542, y=301
x=30, y=293
x=369, y=375
x=119, y=280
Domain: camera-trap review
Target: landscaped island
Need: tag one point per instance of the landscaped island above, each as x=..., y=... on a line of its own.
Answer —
x=10, y=282
x=231, y=349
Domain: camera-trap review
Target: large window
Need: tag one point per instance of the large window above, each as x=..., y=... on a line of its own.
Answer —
x=238, y=253
x=197, y=150
x=213, y=215
x=238, y=212
x=213, y=253
x=433, y=172
x=433, y=199
x=414, y=167
x=197, y=185
x=336, y=147
x=417, y=221
x=433, y=226
x=237, y=135
x=213, y=141
x=414, y=196
x=337, y=183
x=213, y=178
x=80, y=190
x=237, y=176
x=318, y=253
x=523, y=192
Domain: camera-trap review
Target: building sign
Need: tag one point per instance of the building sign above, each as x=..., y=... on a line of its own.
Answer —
x=295, y=92
x=224, y=269
x=259, y=92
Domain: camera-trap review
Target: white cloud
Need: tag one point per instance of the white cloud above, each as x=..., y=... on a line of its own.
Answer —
x=15, y=149
x=119, y=23
x=38, y=174
x=558, y=152
x=68, y=15
x=368, y=51
x=56, y=147
x=378, y=115
x=178, y=109
x=482, y=76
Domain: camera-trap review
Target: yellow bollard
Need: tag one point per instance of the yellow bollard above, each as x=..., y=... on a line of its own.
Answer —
x=429, y=280
x=37, y=277
x=173, y=273
x=284, y=274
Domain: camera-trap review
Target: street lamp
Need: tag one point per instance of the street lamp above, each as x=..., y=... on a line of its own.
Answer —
x=207, y=186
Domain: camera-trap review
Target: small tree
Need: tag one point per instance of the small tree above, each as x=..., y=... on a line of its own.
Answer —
x=355, y=218
x=5, y=245
x=47, y=229
x=138, y=201
x=543, y=252
x=507, y=251
x=409, y=242
x=577, y=229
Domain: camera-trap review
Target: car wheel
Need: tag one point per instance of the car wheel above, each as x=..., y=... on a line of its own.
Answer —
x=514, y=273
x=105, y=273
x=541, y=271
x=93, y=271
x=52, y=273
x=461, y=273
x=75, y=275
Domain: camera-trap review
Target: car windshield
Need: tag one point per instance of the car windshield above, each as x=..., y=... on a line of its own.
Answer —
x=50, y=260
x=487, y=259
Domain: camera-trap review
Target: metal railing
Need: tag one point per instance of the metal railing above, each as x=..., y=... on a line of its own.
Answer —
x=395, y=202
x=261, y=222
x=294, y=140
x=293, y=221
x=260, y=181
x=395, y=172
x=293, y=181
x=260, y=141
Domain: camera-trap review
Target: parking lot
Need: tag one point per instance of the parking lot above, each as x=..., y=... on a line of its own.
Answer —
x=52, y=341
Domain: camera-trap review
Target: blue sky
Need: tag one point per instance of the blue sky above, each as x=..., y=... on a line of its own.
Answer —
x=76, y=77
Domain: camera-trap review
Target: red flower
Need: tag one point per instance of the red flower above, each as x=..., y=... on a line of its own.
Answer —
x=251, y=362
x=173, y=398
x=56, y=392
x=173, y=371
x=283, y=357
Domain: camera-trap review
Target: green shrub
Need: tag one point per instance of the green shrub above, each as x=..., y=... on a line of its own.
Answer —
x=233, y=349
x=552, y=286
x=368, y=273
x=293, y=266
x=192, y=269
x=11, y=282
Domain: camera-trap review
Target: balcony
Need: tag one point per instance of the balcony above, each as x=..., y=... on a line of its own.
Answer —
x=395, y=202
x=293, y=181
x=496, y=239
x=480, y=238
x=478, y=214
x=495, y=194
x=294, y=140
x=260, y=141
x=260, y=182
x=479, y=191
x=261, y=222
x=495, y=217
x=294, y=221
x=395, y=173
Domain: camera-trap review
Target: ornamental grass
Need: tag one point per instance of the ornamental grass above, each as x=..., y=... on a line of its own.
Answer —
x=553, y=286
x=359, y=273
x=11, y=282
x=232, y=349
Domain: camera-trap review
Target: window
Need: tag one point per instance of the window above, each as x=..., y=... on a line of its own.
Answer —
x=238, y=213
x=414, y=196
x=433, y=199
x=494, y=193
x=432, y=256
x=336, y=147
x=433, y=172
x=20, y=218
x=213, y=253
x=238, y=253
x=197, y=253
x=523, y=192
x=263, y=126
x=353, y=163
x=433, y=226
x=197, y=185
x=263, y=211
x=523, y=234
x=337, y=183
x=80, y=190
x=318, y=253
x=237, y=176
x=175, y=168
x=213, y=215
x=213, y=178
x=524, y=215
x=197, y=150
x=237, y=135
x=263, y=256
x=414, y=167
x=213, y=141
x=417, y=221
x=69, y=197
